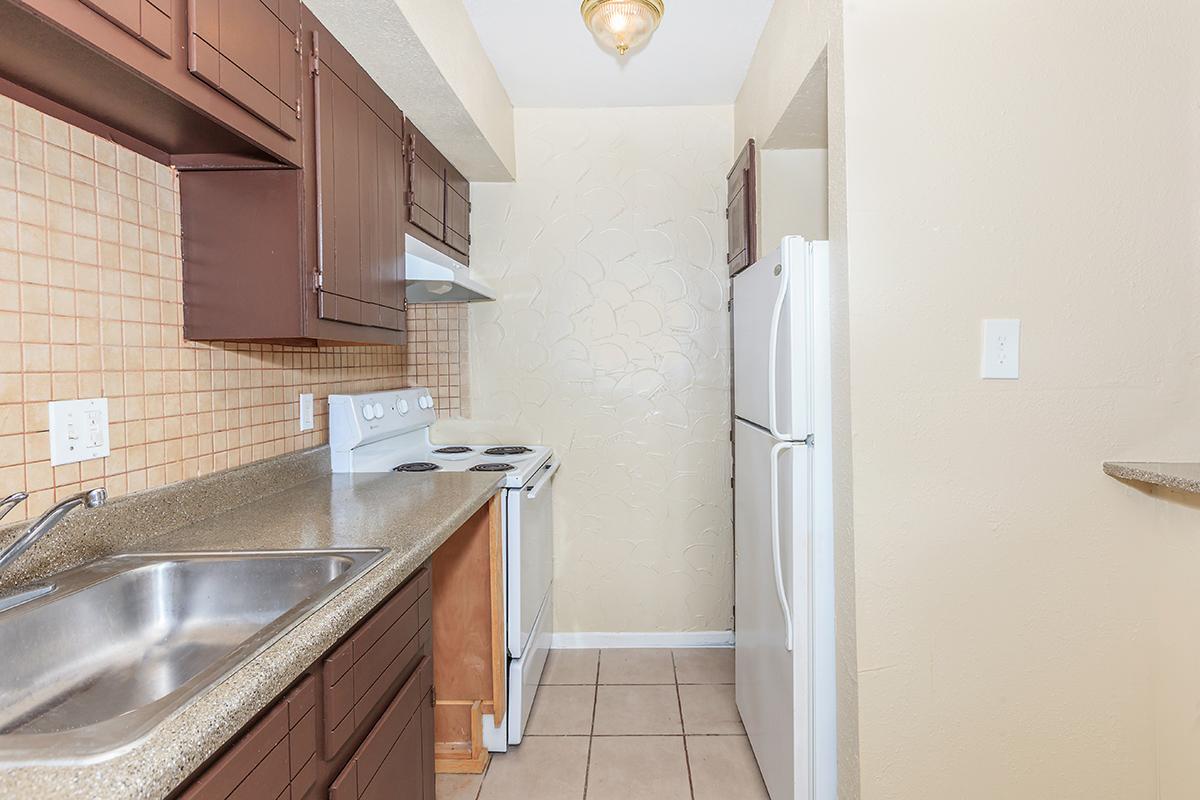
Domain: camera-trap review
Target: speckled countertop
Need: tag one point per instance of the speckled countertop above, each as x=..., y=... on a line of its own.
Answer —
x=1182, y=477
x=411, y=514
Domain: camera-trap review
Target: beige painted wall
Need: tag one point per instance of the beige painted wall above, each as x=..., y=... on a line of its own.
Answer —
x=1026, y=625
x=795, y=34
x=610, y=342
x=793, y=195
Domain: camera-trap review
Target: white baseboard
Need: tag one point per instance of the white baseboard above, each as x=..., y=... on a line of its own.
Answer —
x=602, y=641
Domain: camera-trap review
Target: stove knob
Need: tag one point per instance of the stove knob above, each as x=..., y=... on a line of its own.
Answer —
x=368, y=412
x=379, y=411
x=403, y=405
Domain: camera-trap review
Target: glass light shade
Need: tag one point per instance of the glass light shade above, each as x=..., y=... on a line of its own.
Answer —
x=622, y=24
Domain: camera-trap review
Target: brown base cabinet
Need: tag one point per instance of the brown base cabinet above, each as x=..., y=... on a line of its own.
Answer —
x=365, y=721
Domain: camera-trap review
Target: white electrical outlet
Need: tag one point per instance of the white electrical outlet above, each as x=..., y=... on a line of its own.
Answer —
x=306, y=412
x=78, y=430
x=1001, y=349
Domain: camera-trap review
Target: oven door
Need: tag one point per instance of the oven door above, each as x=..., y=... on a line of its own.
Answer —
x=529, y=535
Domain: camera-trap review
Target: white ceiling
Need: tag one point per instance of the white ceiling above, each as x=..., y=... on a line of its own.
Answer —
x=546, y=57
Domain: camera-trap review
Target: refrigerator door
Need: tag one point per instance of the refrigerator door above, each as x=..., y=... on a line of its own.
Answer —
x=772, y=513
x=772, y=339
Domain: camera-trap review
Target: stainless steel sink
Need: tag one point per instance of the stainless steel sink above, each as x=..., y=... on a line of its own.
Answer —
x=115, y=646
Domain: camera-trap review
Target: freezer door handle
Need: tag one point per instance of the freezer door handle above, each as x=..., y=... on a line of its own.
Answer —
x=783, y=270
x=775, y=544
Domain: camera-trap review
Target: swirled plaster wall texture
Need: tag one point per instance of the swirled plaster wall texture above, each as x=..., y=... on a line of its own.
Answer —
x=610, y=343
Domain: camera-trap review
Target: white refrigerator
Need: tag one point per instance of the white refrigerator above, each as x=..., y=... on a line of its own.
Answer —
x=783, y=518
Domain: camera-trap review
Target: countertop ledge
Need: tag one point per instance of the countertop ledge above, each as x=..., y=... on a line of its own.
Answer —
x=410, y=514
x=1181, y=476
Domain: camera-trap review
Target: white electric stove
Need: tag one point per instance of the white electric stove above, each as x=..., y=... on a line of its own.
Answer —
x=389, y=432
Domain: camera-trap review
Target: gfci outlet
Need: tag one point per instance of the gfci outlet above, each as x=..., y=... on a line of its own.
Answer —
x=1001, y=349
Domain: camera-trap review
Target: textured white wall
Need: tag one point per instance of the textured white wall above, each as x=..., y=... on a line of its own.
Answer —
x=610, y=342
x=1027, y=626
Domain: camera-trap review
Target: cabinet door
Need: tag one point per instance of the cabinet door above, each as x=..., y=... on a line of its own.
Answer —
x=427, y=185
x=458, y=211
x=148, y=21
x=741, y=214
x=249, y=50
x=392, y=762
x=360, y=188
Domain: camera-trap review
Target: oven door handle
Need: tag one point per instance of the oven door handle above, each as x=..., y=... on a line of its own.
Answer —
x=545, y=479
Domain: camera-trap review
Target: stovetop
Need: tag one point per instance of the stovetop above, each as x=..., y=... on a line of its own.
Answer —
x=389, y=431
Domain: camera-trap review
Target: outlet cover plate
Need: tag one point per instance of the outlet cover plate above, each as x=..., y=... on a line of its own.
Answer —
x=78, y=430
x=1001, y=349
x=306, y=412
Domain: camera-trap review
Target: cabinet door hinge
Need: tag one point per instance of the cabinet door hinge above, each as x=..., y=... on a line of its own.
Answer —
x=412, y=148
x=319, y=280
x=729, y=304
x=409, y=199
x=314, y=67
x=432, y=696
x=297, y=41
x=297, y=108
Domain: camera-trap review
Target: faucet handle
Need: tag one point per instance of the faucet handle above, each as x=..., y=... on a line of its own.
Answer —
x=12, y=501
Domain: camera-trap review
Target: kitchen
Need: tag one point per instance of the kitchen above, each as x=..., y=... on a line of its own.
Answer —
x=478, y=400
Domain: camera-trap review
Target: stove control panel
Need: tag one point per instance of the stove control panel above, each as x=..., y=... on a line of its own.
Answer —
x=356, y=420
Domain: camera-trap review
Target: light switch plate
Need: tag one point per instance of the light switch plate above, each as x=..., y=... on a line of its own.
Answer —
x=78, y=430
x=306, y=412
x=1001, y=349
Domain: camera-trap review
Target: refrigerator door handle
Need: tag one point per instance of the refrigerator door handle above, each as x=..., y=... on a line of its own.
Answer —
x=773, y=352
x=775, y=545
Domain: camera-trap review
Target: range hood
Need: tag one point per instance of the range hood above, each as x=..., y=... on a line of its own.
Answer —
x=431, y=276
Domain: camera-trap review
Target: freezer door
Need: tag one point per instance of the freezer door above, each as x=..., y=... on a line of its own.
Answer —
x=772, y=688
x=771, y=313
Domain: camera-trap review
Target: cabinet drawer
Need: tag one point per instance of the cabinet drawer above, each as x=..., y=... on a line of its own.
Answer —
x=274, y=758
x=359, y=673
x=392, y=759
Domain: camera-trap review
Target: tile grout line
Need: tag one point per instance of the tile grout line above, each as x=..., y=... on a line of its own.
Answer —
x=687, y=761
x=587, y=770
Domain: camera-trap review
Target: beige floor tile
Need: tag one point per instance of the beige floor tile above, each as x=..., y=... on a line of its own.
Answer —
x=710, y=709
x=636, y=666
x=550, y=768
x=723, y=767
x=565, y=667
x=562, y=711
x=458, y=787
x=704, y=665
x=637, y=711
x=638, y=768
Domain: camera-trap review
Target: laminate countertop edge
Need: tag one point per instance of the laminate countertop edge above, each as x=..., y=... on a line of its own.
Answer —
x=412, y=515
x=1179, y=476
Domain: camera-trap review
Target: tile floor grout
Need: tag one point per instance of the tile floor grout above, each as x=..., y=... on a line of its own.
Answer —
x=591, y=736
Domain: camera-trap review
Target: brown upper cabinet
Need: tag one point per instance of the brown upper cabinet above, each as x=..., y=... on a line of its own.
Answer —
x=741, y=214
x=249, y=50
x=148, y=22
x=181, y=78
x=360, y=190
x=310, y=255
x=439, y=198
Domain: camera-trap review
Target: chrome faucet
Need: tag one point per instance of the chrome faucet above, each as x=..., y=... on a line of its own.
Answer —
x=92, y=499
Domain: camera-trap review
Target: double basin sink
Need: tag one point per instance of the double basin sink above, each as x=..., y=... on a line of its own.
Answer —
x=94, y=658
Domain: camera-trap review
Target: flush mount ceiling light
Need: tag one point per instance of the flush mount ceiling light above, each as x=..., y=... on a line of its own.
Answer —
x=622, y=24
